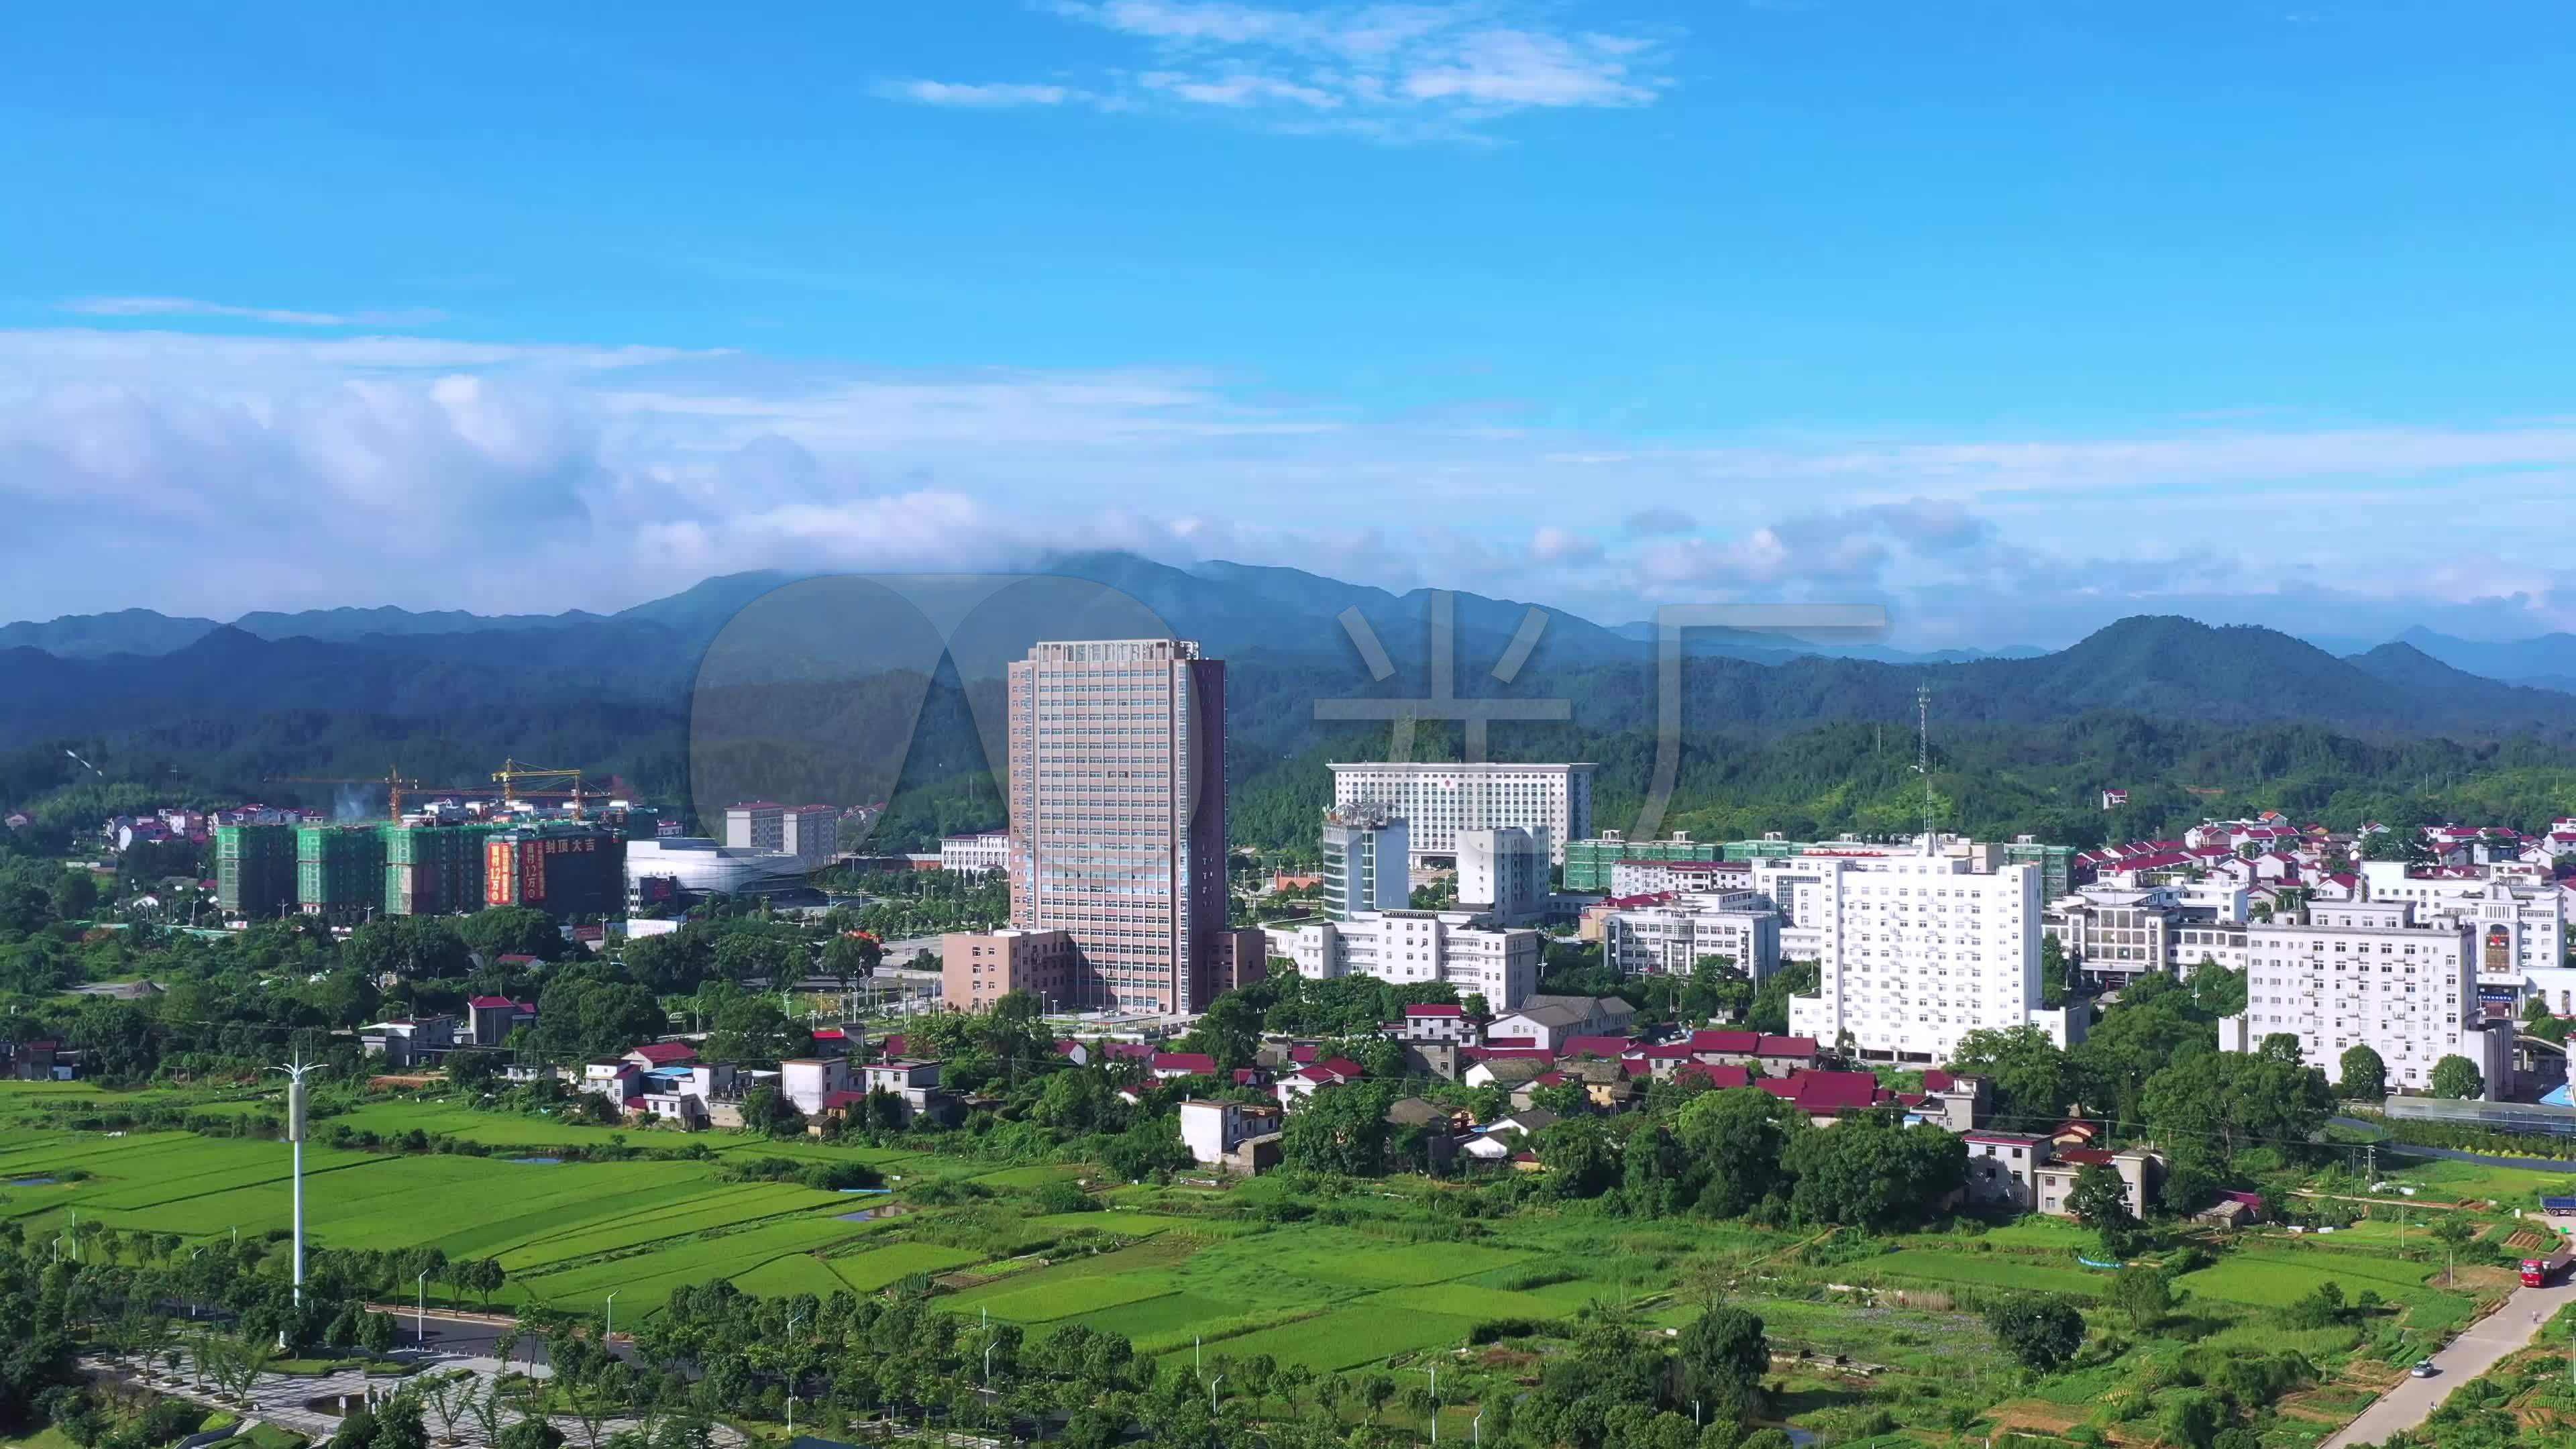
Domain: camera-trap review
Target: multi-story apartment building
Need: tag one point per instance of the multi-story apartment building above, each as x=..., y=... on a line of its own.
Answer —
x=1913, y=951
x=2374, y=974
x=1116, y=796
x=811, y=833
x=1437, y=801
x=1365, y=861
x=1503, y=872
x=978, y=968
x=755, y=825
x=1667, y=937
x=975, y=854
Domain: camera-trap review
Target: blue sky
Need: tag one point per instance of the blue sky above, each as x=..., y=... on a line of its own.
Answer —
x=2017, y=314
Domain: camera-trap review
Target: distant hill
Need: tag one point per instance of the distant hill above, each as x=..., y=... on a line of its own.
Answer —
x=2546, y=662
x=87, y=636
x=1280, y=629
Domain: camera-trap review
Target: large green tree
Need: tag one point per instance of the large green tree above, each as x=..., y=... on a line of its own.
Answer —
x=1721, y=1358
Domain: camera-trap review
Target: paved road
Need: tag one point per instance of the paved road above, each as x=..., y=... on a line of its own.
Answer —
x=2476, y=1350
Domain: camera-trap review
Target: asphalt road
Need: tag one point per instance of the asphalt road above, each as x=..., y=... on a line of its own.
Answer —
x=2476, y=1350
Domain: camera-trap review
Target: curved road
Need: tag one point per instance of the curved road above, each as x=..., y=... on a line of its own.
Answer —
x=2477, y=1349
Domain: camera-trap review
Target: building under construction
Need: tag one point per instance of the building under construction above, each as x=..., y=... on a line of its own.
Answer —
x=434, y=868
x=563, y=869
x=255, y=869
x=339, y=871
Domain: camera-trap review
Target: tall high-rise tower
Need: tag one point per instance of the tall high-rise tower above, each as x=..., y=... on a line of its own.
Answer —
x=1117, y=819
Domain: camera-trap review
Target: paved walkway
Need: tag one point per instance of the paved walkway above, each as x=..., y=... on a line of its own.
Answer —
x=2476, y=1350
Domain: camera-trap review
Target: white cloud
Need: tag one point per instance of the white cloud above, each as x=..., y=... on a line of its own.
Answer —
x=215, y=473
x=276, y=316
x=1388, y=72
x=1554, y=545
x=945, y=93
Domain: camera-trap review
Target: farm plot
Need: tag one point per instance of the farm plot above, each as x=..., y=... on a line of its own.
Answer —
x=1061, y=1297
x=1168, y=1316
x=650, y=1275
x=2276, y=1279
x=1988, y=1270
x=1333, y=1258
x=1344, y=1338
x=718, y=1206
x=1463, y=1300
x=868, y=1271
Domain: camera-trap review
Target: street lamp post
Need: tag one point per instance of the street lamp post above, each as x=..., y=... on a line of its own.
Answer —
x=611, y=1330
x=1434, y=1371
x=1212, y=1383
x=420, y=1310
x=791, y=1369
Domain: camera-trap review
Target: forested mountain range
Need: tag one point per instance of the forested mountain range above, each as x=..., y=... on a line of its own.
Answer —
x=758, y=683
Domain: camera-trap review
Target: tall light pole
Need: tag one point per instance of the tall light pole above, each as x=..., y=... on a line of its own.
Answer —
x=610, y=1331
x=295, y=1138
x=420, y=1313
x=1434, y=1371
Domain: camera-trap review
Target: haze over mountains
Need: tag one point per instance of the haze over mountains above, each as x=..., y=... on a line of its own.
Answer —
x=138, y=669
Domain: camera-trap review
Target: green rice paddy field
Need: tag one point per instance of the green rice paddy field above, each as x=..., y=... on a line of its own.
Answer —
x=1151, y=1267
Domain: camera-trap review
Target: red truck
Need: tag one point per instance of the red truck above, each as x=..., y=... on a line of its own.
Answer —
x=2539, y=1270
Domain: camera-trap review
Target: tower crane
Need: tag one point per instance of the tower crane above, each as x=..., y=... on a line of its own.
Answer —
x=511, y=772
x=392, y=780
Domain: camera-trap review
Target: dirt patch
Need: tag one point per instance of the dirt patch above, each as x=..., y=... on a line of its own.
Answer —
x=2034, y=1415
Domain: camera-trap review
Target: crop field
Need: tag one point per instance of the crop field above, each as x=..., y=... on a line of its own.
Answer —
x=1343, y=1338
x=1990, y=1270
x=874, y=1268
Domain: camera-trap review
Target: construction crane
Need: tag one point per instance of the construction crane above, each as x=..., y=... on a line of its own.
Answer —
x=392, y=780
x=511, y=772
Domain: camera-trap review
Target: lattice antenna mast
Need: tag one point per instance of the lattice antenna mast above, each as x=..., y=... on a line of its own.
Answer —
x=1923, y=759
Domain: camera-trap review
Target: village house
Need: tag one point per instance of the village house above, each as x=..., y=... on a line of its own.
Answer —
x=1238, y=1137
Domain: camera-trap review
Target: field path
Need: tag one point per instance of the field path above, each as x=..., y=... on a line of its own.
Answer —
x=2477, y=1349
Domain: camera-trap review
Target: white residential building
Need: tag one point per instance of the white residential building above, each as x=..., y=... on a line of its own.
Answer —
x=1437, y=801
x=2369, y=973
x=1502, y=872
x=975, y=854
x=2521, y=922
x=1669, y=937
x=1456, y=947
x=1365, y=862
x=1913, y=952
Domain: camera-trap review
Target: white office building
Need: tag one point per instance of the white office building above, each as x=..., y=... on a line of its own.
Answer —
x=2374, y=974
x=1669, y=937
x=1913, y=952
x=1365, y=862
x=1407, y=947
x=975, y=854
x=2521, y=922
x=1437, y=801
x=1503, y=873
